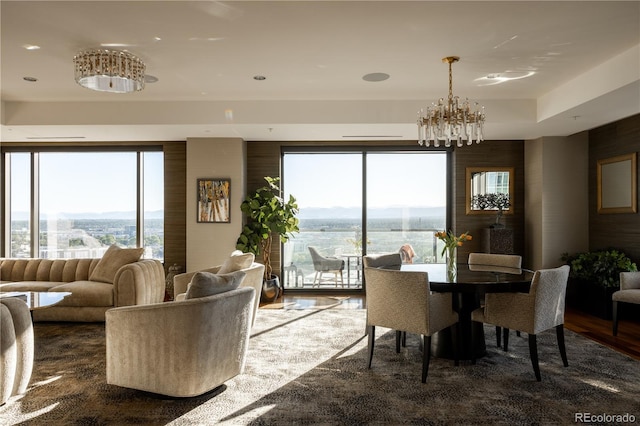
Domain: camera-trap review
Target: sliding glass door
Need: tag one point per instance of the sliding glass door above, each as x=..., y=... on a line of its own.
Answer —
x=354, y=203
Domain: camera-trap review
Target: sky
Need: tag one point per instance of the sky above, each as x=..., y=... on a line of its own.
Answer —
x=105, y=182
x=394, y=179
x=88, y=182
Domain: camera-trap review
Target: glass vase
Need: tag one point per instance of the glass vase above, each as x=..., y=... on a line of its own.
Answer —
x=452, y=258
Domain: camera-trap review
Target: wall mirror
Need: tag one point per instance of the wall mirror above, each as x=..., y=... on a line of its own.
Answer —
x=617, y=184
x=488, y=180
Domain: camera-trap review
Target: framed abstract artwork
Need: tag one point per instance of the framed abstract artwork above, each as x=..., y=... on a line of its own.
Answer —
x=214, y=197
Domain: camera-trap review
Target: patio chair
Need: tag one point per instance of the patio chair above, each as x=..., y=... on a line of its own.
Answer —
x=323, y=265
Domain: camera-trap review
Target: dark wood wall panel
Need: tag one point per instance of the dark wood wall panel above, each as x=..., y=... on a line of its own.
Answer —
x=175, y=204
x=488, y=154
x=622, y=230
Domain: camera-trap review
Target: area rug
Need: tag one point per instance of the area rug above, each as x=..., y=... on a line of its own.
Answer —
x=308, y=367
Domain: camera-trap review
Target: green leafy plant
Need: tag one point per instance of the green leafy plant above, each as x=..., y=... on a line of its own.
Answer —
x=601, y=267
x=268, y=216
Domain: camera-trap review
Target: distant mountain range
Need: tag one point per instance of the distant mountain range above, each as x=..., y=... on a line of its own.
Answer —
x=156, y=214
x=307, y=213
x=380, y=213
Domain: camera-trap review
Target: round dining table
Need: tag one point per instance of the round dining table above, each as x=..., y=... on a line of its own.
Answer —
x=472, y=282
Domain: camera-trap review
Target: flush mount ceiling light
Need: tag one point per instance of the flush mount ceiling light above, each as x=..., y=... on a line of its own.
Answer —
x=450, y=120
x=107, y=70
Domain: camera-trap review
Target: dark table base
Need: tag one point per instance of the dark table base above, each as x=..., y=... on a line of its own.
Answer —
x=470, y=331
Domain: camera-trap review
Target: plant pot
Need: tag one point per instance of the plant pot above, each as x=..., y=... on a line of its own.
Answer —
x=590, y=298
x=270, y=289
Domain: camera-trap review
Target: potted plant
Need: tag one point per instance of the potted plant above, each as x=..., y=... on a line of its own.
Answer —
x=268, y=217
x=492, y=201
x=593, y=278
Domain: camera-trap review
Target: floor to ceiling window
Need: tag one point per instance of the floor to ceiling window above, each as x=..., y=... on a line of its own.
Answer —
x=74, y=204
x=364, y=202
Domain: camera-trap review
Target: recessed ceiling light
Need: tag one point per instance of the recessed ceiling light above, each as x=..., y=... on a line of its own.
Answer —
x=375, y=76
x=259, y=77
x=30, y=79
x=150, y=78
x=31, y=46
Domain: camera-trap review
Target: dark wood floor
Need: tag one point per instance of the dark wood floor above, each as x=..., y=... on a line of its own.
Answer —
x=627, y=341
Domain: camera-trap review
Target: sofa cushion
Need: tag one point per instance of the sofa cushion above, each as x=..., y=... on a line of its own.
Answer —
x=86, y=293
x=236, y=262
x=114, y=258
x=205, y=284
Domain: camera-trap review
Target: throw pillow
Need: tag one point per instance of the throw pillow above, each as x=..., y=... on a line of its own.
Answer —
x=205, y=284
x=236, y=262
x=112, y=260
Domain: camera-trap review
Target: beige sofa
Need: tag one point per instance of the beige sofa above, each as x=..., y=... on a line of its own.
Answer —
x=96, y=284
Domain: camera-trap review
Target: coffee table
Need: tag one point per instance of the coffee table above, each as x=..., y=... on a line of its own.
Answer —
x=38, y=299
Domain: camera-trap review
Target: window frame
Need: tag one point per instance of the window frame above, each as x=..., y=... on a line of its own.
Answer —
x=34, y=151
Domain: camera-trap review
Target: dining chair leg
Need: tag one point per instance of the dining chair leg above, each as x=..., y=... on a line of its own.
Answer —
x=505, y=339
x=404, y=339
x=398, y=340
x=561, y=346
x=473, y=347
x=615, y=318
x=533, y=353
x=498, y=335
x=372, y=333
x=426, y=357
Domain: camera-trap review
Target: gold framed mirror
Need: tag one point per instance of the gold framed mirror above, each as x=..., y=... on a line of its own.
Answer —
x=487, y=189
x=617, y=184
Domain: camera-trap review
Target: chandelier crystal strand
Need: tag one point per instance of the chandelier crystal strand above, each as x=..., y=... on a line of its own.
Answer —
x=451, y=121
x=109, y=71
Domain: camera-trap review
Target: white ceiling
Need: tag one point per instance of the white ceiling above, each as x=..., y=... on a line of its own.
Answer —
x=582, y=59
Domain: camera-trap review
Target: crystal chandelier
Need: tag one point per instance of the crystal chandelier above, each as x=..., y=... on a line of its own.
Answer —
x=451, y=120
x=109, y=71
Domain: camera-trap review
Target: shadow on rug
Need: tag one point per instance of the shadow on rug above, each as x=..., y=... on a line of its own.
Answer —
x=309, y=367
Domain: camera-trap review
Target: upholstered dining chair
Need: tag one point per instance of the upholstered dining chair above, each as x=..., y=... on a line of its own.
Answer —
x=324, y=264
x=534, y=312
x=500, y=260
x=402, y=300
x=391, y=261
x=629, y=293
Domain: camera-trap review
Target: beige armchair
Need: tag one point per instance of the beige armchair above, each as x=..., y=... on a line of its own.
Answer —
x=253, y=279
x=16, y=347
x=629, y=293
x=402, y=300
x=182, y=348
x=534, y=312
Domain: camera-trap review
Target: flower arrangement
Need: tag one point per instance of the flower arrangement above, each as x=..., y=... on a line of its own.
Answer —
x=451, y=243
